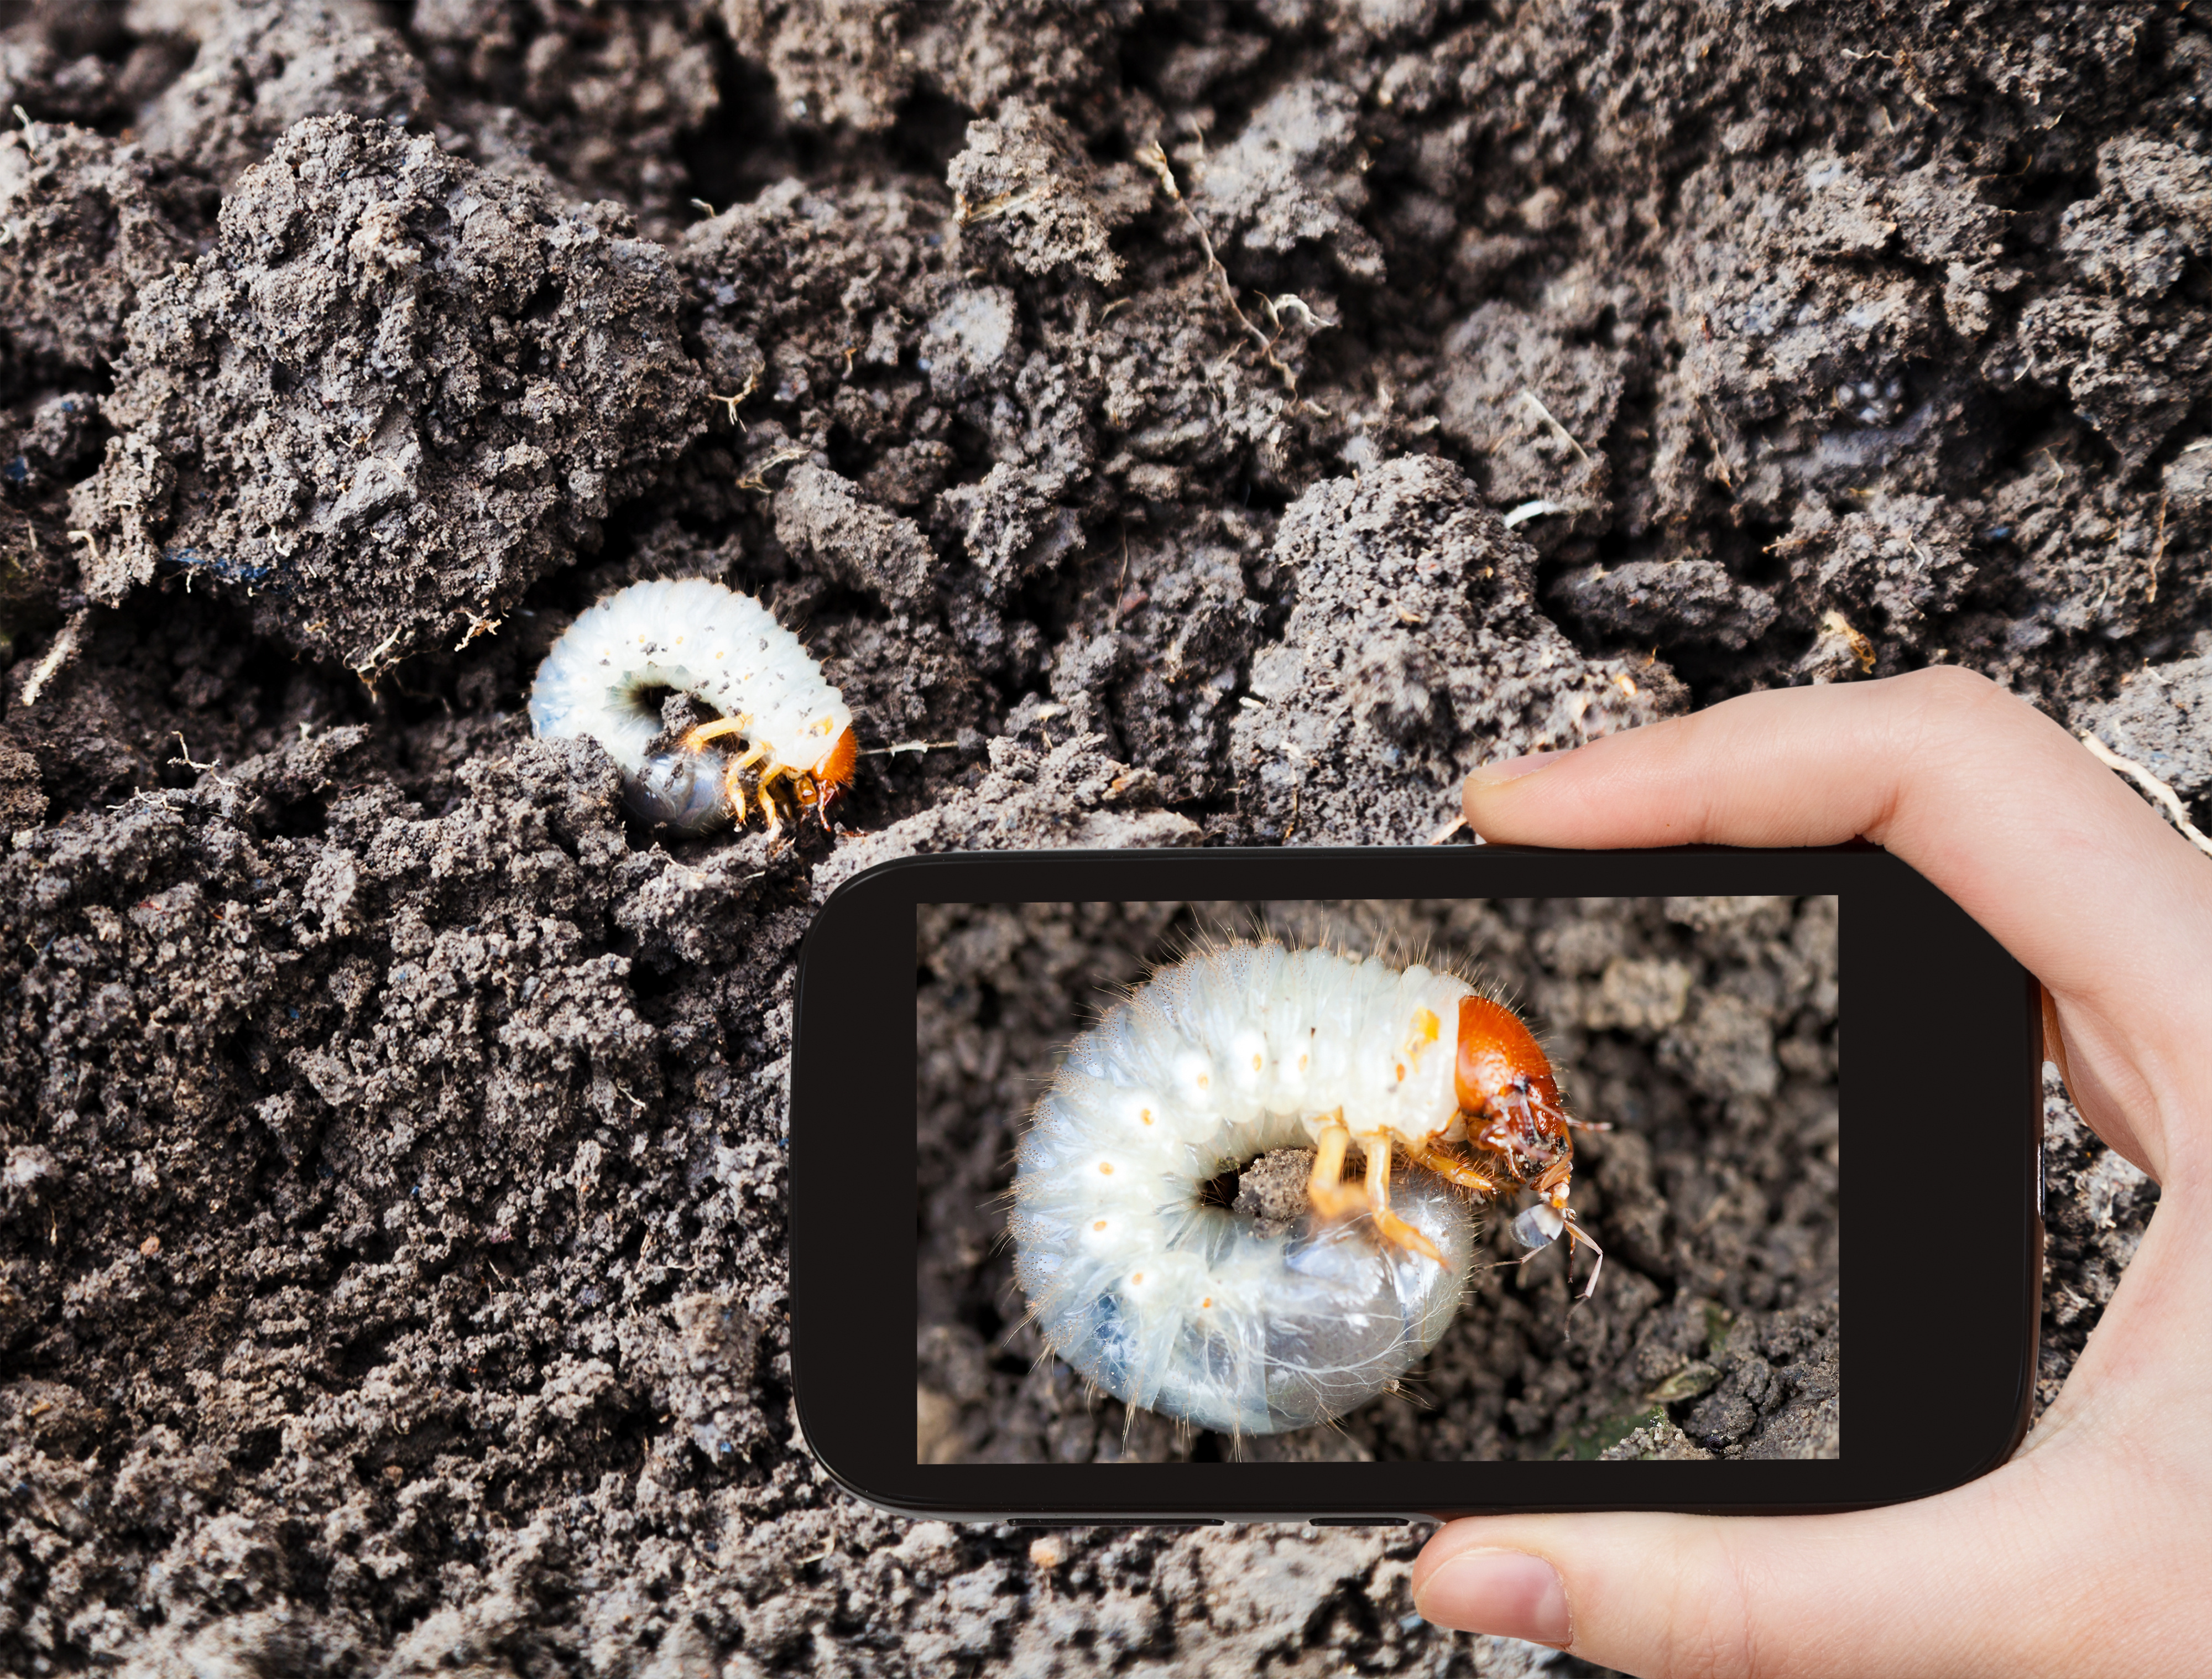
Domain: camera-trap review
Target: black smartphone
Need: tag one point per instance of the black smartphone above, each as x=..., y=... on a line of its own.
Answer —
x=1359, y=1186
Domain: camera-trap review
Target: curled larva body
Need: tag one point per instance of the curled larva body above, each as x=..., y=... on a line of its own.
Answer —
x=1192, y=1310
x=725, y=648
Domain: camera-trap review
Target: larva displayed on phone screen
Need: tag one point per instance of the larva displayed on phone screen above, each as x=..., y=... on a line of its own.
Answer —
x=1203, y=1313
x=606, y=677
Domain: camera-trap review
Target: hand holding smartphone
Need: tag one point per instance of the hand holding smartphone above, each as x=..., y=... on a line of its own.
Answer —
x=2080, y=1555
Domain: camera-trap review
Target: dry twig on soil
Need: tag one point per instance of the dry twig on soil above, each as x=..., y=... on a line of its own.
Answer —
x=1153, y=157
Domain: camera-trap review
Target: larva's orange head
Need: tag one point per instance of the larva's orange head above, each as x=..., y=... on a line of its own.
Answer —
x=835, y=767
x=1509, y=1102
x=1501, y=1069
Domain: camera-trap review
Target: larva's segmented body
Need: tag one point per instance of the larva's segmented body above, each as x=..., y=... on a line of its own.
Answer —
x=1190, y=1309
x=696, y=636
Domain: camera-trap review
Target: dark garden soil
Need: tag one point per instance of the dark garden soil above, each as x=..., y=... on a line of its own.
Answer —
x=1192, y=422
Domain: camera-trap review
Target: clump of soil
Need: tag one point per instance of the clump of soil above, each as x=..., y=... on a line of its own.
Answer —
x=396, y=393
x=1412, y=602
x=1169, y=425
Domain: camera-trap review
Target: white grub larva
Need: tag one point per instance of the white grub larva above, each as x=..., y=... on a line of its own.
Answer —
x=604, y=677
x=1192, y=1310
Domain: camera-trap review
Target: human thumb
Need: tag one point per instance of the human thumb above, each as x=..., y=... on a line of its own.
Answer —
x=1987, y=1578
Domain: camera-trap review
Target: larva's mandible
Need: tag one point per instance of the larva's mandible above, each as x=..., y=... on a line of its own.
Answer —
x=1192, y=1310
x=724, y=647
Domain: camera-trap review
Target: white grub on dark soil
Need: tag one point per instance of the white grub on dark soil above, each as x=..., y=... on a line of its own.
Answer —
x=391, y=1266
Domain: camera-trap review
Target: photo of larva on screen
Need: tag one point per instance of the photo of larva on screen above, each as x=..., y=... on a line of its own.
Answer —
x=1518, y=1179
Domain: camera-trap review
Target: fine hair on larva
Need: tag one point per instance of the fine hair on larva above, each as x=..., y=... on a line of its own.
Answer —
x=1240, y=1046
x=693, y=635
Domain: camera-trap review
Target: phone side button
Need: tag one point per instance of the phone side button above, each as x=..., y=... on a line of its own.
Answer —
x=1356, y=1521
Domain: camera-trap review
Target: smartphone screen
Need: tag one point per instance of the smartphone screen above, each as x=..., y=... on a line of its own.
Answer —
x=1225, y=1312
x=1702, y=1032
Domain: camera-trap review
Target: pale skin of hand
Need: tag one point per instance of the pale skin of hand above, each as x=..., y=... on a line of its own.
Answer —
x=2090, y=1551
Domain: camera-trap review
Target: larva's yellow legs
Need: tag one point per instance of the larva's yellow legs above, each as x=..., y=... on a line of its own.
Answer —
x=768, y=802
x=1462, y=1172
x=1334, y=1199
x=1388, y=1225
x=714, y=731
x=733, y=787
x=1325, y=1189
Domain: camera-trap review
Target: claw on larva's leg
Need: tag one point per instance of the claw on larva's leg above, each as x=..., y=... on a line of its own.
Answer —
x=1388, y=1225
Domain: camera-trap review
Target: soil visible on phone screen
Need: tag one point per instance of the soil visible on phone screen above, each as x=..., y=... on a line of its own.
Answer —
x=1176, y=423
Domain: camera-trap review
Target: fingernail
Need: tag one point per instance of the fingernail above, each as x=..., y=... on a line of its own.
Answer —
x=1513, y=768
x=1505, y=1593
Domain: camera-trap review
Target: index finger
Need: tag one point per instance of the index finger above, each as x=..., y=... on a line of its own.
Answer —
x=1995, y=804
